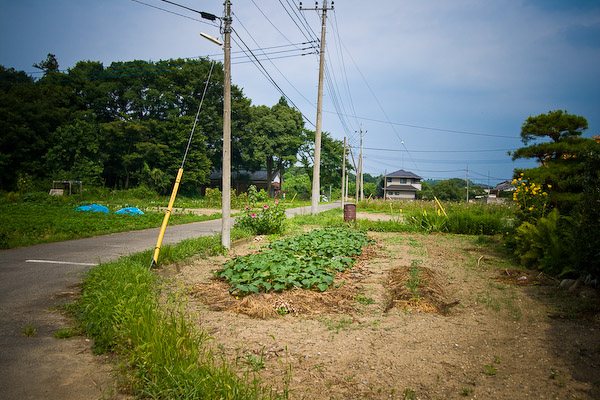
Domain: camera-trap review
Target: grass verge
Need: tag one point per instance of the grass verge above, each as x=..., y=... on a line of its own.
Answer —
x=167, y=356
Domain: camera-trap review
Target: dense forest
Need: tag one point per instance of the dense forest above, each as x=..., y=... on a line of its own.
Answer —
x=128, y=125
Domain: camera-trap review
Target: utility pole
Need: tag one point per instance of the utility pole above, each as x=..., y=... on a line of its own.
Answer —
x=343, y=173
x=467, y=183
x=316, y=183
x=362, y=189
x=226, y=172
x=356, y=169
x=385, y=185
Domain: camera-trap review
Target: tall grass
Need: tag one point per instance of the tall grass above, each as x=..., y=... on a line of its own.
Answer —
x=167, y=356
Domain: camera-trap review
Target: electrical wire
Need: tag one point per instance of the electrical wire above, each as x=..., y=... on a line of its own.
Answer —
x=272, y=63
x=174, y=13
x=264, y=71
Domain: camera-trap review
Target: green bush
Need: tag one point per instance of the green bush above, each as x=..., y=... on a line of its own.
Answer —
x=265, y=220
x=546, y=244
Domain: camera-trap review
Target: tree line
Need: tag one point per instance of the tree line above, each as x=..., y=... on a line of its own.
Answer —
x=128, y=125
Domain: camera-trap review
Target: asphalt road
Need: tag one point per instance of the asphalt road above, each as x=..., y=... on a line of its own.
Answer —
x=35, y=279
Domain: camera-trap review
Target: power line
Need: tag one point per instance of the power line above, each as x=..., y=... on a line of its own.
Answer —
x=264, y=71
x=205, y=15
x=432, y=128
x=438, y=151
x=304, y=33
x=174, y=13
x=272, y=63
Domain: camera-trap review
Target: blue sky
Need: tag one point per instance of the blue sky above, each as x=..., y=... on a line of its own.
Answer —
x=437, y=86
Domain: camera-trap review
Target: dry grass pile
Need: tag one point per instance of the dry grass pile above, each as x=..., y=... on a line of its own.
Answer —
x=428, y=295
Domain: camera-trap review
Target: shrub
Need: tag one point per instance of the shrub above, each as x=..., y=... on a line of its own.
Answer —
x=546, y=243
x=531, y=198
x=212, y=197
x=264, y=220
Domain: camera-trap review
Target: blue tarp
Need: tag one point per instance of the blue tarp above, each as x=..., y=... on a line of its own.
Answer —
x=129, y=210
x=93, y=208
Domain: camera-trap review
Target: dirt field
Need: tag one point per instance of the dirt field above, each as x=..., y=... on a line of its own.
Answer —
x=474, y=327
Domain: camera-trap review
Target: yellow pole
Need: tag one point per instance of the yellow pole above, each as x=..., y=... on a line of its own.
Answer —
x=166, y=219
x=293, y=198
x=438, y=202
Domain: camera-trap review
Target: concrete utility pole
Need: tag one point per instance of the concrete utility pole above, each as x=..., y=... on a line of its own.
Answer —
x=362, y=189
x=316, y=183
x=226, y=173
x=467, y=183
x=343, y=173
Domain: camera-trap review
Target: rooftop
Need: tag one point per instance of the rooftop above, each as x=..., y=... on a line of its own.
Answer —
x=403, y=174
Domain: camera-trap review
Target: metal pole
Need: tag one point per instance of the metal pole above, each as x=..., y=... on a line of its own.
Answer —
x=226, y=175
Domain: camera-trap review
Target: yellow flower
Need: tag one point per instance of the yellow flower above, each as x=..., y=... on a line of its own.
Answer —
x=531, y=208
x=549, y=186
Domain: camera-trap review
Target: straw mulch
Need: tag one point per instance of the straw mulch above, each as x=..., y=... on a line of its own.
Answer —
x=432, y=297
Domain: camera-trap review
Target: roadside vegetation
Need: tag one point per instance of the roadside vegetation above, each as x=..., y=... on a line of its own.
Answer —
x=33, y=218
x=163, y=355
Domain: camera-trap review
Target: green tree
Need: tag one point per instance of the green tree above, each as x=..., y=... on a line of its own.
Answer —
x=29, y=113
x=76, y=153
x=50, y=64
x=331, y=158
x=554, y=141
x=273, y=138
x=454, y=189
x=296, y=184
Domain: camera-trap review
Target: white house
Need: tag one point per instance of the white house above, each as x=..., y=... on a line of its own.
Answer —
x=401, y=185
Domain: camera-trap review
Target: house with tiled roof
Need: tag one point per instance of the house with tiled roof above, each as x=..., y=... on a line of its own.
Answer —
x=401, y=185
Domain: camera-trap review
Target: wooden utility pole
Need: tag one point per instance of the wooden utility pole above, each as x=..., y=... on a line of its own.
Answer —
x=316, y=183
x=226, y=172
x=343, y=173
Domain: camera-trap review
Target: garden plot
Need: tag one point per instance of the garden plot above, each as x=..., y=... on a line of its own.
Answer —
x=417, y=316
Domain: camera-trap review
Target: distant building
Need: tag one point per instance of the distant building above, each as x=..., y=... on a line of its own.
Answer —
x=505, y=186
x=401, y=185
x=241, y=180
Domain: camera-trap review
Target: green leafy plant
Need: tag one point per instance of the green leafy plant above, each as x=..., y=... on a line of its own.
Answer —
x=264, y=220
x=309, y=261
x=545, y=244
x=414, y=279
x=410, y=394
x=29, y=331
x=490, y=370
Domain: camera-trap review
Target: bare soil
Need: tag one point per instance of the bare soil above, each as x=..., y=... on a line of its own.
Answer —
x=475, y=326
